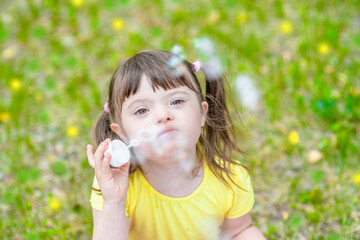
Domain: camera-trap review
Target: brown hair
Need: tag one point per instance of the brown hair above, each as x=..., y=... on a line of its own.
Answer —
x=217, y=140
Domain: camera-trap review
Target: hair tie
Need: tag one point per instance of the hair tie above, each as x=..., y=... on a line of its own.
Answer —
x=106, y=107
x=197, y=66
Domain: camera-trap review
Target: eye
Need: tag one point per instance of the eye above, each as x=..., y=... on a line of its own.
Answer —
x=177, y=102
x=141, y=111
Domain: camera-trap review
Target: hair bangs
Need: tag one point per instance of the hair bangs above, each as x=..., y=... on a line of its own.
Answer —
x=167, y=77
x=155, y=66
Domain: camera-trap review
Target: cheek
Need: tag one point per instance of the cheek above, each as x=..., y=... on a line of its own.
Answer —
x=129, y=129
x=195, y=120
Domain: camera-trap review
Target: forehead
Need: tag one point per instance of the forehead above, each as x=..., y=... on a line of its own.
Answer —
x=146, y=89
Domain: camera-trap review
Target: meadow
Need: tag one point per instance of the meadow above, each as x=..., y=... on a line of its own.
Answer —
x=301, y=135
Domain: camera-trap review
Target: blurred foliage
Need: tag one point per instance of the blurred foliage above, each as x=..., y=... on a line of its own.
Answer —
x=56, y=61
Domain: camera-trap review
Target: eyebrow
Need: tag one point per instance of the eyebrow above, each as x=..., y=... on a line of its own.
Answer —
x=147, y=100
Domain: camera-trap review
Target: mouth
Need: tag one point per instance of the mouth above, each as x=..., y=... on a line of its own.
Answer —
x=167, y=132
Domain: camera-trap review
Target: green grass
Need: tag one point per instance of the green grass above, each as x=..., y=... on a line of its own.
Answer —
x=64, y=55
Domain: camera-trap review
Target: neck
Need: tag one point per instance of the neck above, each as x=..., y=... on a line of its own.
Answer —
x=173, y=178
x=171, y=168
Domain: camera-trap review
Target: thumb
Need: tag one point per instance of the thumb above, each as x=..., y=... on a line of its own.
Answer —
x=125, y=168
x=122, y=173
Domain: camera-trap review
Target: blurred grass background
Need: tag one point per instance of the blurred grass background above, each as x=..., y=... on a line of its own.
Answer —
x=56, y=61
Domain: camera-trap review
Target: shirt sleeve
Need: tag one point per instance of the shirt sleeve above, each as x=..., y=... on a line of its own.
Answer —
x=240, y=201
x=97, y=200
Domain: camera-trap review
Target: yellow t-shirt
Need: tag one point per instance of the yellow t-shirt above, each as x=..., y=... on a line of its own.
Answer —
x=198, y=216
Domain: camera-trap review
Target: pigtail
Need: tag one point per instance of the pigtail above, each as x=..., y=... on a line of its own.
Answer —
x=219, y=134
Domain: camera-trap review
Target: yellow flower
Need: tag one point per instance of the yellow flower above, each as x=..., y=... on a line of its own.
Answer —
x=356, y=178
x=77, y=3
x=286, y=27
x=293, y=137
x=354, y=92
x=241, y=17
x=323, y=48
x=54, y=205
x=285, y=215
x=5, y=117
x=72, y=131
x=118, y=24
x=314, y=156
x=15, y=84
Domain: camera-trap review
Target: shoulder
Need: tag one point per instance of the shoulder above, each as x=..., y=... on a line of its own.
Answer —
x=240, y=172
x=234, y=173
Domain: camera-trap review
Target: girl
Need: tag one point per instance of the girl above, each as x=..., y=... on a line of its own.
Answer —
x=182, y=185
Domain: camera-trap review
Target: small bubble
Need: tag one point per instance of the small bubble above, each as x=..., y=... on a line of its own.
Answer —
x=187, y=165
x=176, y=49
x=134, y=143
x=248, y=93
x=204, y=45
x=212, y=69
x=146, y=135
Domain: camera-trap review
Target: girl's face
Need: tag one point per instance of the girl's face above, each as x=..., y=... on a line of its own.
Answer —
x=173, y=116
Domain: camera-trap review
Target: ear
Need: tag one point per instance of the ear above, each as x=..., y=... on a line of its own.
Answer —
x=205, y=107
x=119, y=131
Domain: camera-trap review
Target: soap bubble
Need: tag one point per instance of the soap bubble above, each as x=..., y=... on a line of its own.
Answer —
x=204, y=45
x=212, y=69
x=186, y=164
x=169, y=146
x=177, y=59
x=134, y=143
x=209, y=227
x=174, y=63
x=248, y=93
x=176, y=49
x=146, y=135
x=210, y=62
x=140, y=158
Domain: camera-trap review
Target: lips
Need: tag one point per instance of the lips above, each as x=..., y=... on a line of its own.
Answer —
x=167, y=132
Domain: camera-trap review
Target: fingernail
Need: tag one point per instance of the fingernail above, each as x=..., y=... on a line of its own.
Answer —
x=88, y=145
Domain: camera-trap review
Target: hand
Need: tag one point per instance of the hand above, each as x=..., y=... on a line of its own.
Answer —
x=113, y=182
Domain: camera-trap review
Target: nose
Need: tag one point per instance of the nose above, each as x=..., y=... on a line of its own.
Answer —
x=163, y=115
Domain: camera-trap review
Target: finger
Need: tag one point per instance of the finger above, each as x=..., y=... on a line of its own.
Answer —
x=90, y=155
x=99, y=155
x=125, y=166
x=105, y=168
x=123, y=169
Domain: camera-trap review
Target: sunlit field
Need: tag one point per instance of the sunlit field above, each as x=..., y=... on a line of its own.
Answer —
x=299, y=62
